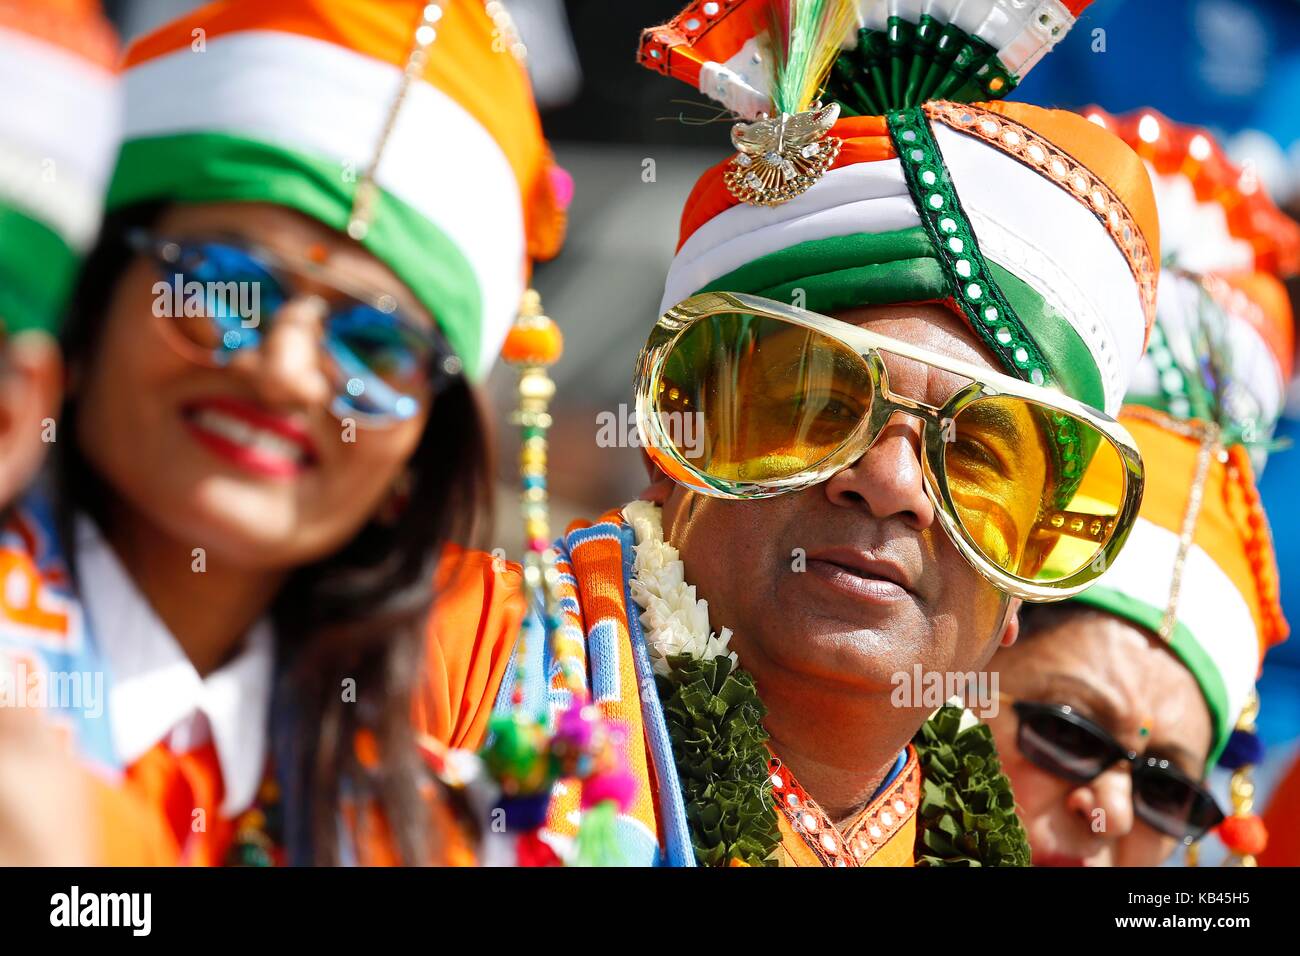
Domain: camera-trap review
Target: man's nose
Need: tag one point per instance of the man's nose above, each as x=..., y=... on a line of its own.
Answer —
x=888, y=478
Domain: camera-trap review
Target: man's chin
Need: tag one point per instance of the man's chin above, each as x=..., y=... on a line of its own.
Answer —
x=857, y=662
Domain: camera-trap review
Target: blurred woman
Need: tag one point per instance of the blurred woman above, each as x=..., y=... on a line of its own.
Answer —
x=1120, y=702
x=320, y=224
x=58, y=137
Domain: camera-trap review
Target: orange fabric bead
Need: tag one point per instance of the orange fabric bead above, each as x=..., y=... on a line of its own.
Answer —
x=1244, y=834
x=534, y=342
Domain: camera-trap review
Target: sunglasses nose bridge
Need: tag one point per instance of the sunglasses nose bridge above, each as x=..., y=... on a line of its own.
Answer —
x=1119, y=755
x=290, y=364
x=301, y=314
x=888, y=402
x=893, y=400
x=303, y=307
x=891, y=405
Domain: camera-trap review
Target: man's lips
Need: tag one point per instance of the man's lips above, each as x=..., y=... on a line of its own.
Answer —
x=861, y=575
x=250, y=436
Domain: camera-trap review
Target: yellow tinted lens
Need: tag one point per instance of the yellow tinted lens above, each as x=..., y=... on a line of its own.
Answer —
x=1037, y=491
x=749, y=398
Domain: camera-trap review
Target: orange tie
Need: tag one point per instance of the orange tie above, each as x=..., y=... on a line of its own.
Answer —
x=187, y=790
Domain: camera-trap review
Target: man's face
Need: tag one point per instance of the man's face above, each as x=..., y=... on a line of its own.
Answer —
x=834, y=590
x=31, y=383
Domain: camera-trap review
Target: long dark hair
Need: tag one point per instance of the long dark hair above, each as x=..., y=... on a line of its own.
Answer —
x=360, y=614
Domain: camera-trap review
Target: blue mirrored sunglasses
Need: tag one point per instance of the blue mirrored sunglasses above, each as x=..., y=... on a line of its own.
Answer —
x=221, y=297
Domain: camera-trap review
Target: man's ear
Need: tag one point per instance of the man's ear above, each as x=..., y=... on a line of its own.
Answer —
x=31, y=387
x=658, y=485
x=1011, y=626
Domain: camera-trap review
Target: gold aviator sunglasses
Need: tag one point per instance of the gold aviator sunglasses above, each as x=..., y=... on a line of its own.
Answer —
x=742, y=397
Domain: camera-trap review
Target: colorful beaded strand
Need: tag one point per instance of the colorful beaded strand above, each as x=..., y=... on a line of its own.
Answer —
x=530, y=752
x=534, y=344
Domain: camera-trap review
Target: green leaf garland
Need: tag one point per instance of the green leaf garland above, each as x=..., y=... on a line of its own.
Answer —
x=967, y=815
x=715, y=724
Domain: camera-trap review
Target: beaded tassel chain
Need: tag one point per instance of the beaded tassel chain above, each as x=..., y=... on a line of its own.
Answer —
x=505, y=38
x=526, y=753
x=533, y=345
x=1210, y=448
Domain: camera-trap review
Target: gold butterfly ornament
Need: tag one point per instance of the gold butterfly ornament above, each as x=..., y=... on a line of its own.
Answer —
x=778, y=158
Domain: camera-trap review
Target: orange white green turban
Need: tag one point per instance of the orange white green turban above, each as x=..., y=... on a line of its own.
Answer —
x=1219, y=610
x=288, y=101
x=1224, y=320
x=58, y=137
x=1035, y=225
x=1221, y=356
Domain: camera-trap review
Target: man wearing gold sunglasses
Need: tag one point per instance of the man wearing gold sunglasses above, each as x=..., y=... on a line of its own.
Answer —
x=896, y=333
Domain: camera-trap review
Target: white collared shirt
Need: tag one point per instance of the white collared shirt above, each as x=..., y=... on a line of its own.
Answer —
x=156, y=695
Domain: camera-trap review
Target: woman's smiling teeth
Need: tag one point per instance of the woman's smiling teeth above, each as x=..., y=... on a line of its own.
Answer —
x=248, y=435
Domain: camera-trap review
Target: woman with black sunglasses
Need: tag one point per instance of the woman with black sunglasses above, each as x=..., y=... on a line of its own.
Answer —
x=320, y=225
x=1121, y=701
x=1105, y=736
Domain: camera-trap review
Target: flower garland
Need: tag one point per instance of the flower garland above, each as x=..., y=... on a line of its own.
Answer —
x=715, y=723
x=967, y=815
x=711, y=707
x=676, y=622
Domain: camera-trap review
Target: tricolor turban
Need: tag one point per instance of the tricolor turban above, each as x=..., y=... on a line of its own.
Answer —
x=1221, y=353
x=287, y=101
x=58, y=137
x=1223, y=317
x=1224, y=597
x=1037, y=226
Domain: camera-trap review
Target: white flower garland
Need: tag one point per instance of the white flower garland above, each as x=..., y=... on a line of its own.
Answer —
x=675, y=621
